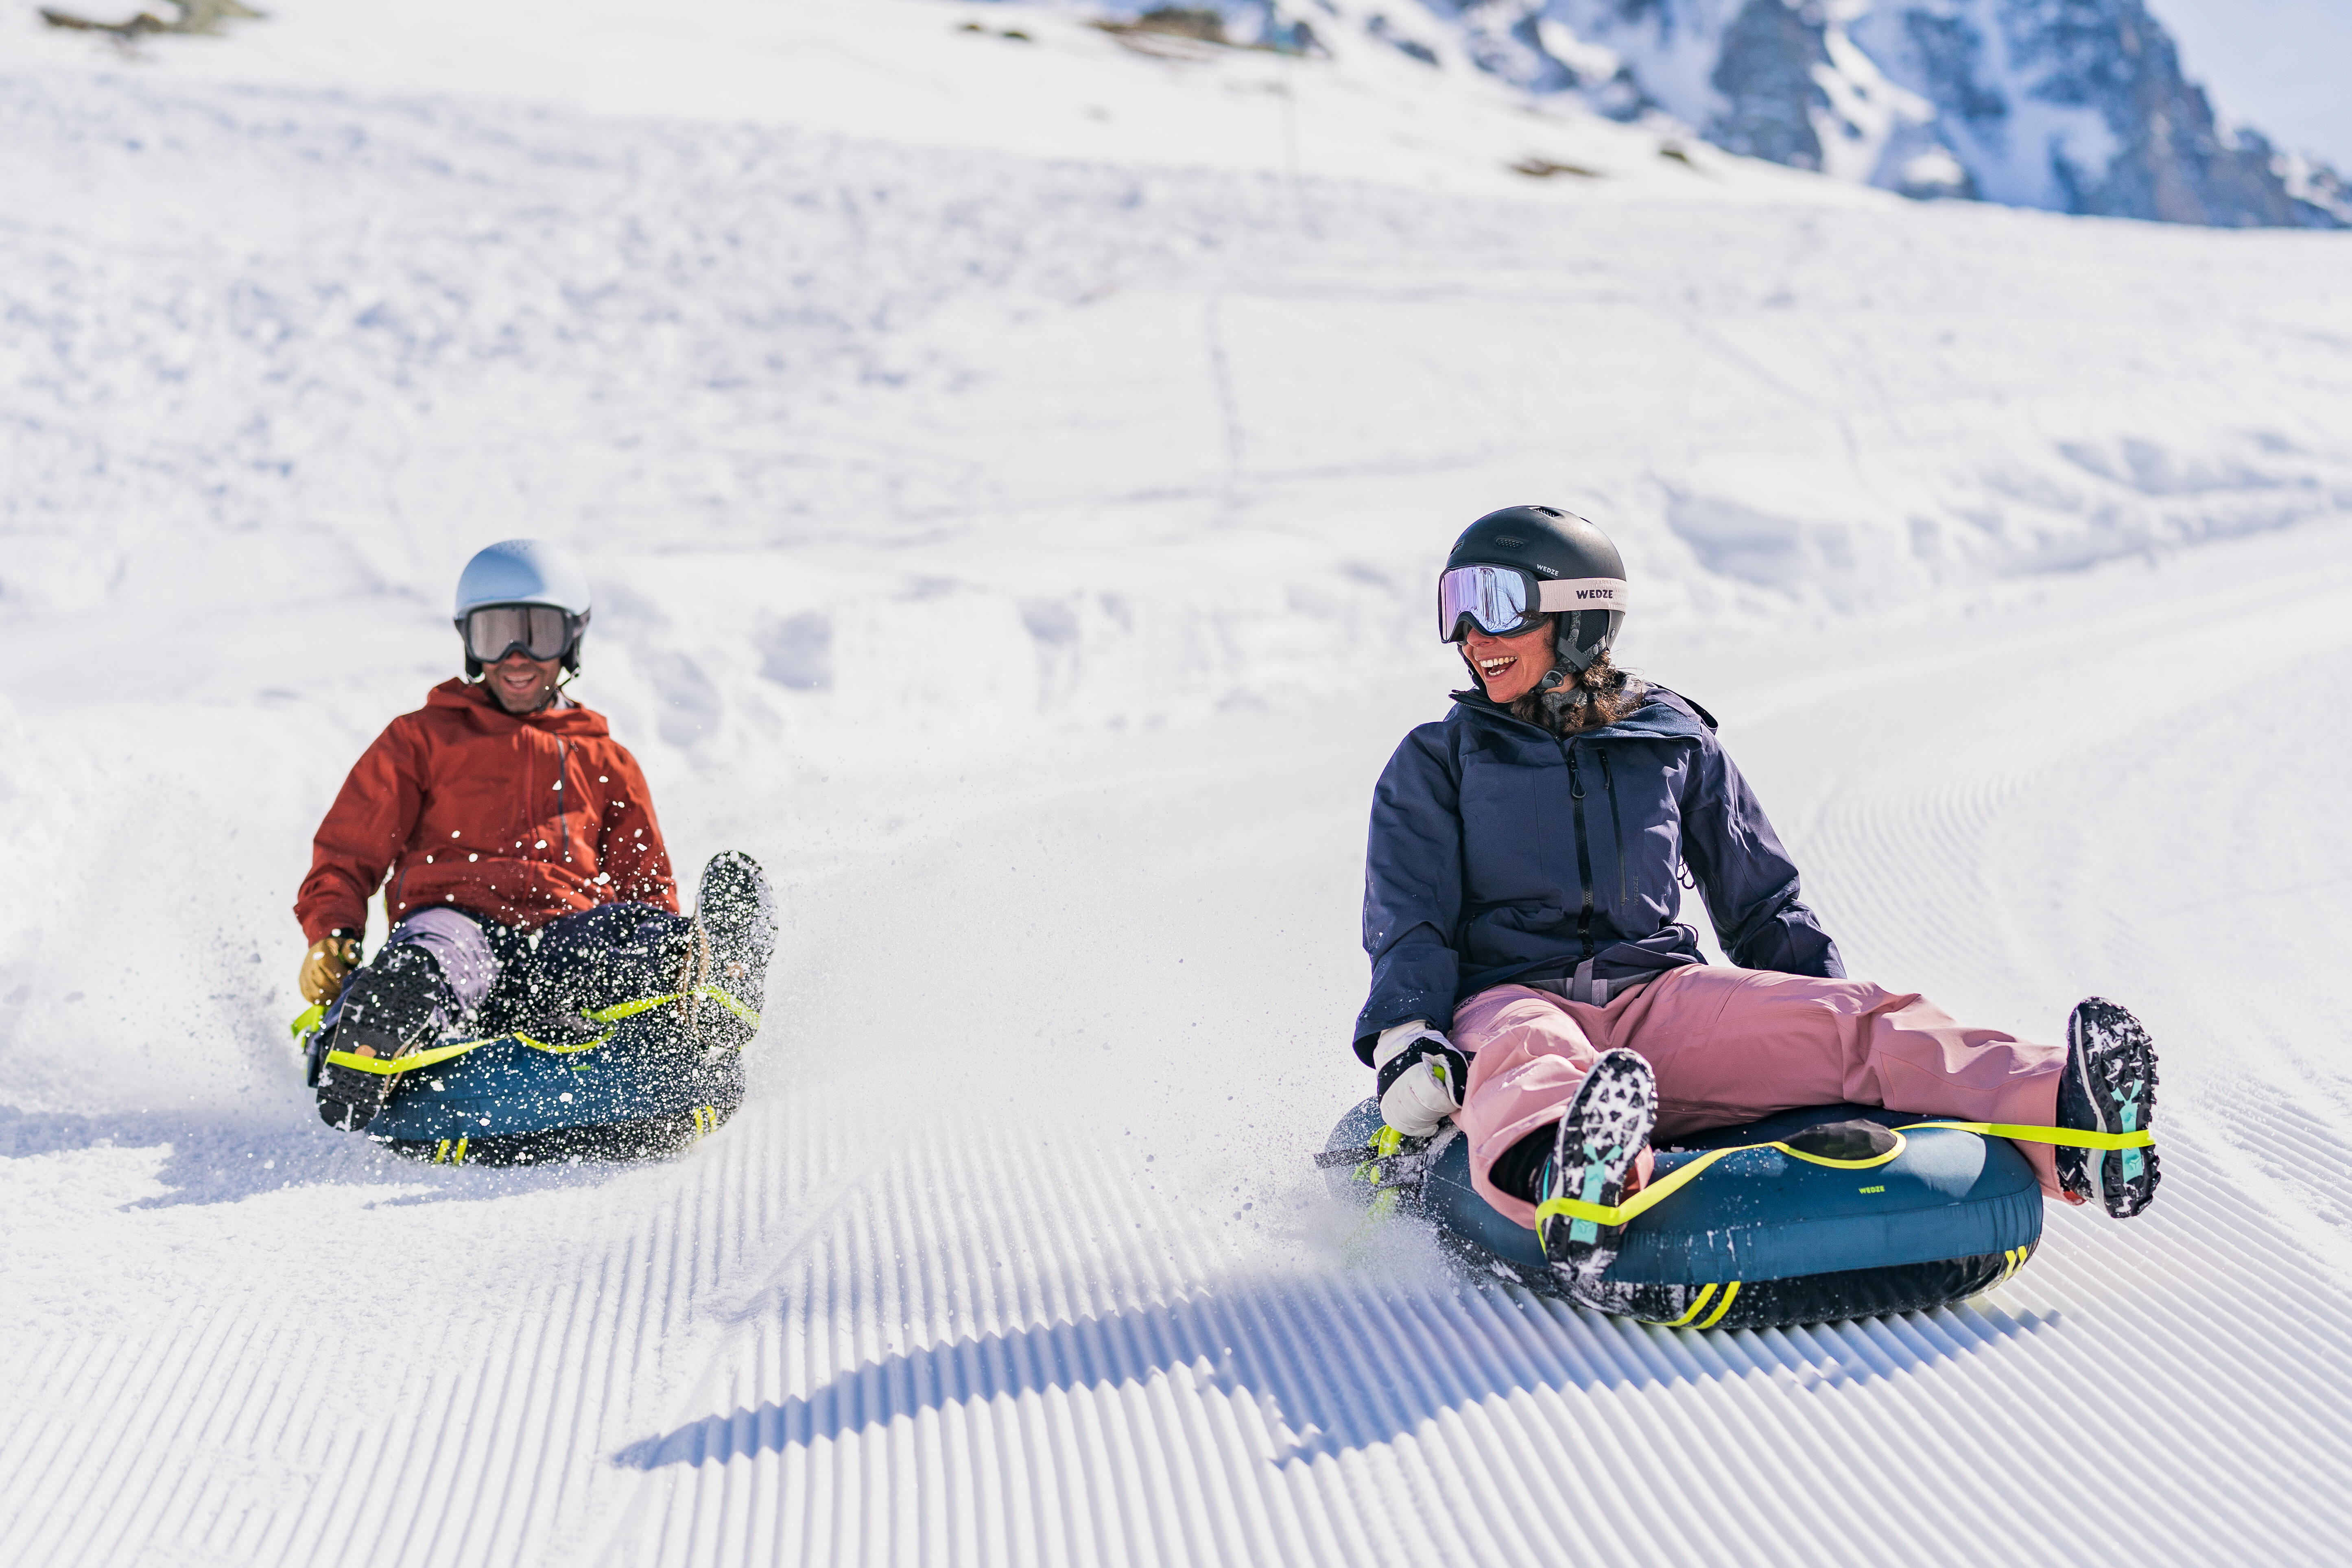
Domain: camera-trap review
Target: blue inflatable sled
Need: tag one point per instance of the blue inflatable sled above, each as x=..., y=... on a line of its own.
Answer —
x=1844, y=1211
x=642, y=1089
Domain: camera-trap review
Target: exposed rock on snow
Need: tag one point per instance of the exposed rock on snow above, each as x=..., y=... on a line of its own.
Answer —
x=191, y=16
x=2078, y=106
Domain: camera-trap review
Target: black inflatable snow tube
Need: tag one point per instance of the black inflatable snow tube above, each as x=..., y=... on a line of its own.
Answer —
x=1761, y=1237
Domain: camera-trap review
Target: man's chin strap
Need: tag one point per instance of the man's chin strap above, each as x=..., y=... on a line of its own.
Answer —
x=556, y=696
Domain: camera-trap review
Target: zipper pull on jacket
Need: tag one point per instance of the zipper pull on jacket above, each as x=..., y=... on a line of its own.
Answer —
x=1583, y=853
x=1616, y=823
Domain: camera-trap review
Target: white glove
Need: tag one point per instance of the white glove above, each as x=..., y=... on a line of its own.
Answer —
x=1422, y=1078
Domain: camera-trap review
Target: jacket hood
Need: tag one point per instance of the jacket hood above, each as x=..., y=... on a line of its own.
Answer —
x=1663, y=714
x=573, y=721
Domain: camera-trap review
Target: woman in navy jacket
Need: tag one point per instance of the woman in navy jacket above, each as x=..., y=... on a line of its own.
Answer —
x=1530, y=981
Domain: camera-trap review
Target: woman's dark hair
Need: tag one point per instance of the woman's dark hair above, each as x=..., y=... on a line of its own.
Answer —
x=1598, y=698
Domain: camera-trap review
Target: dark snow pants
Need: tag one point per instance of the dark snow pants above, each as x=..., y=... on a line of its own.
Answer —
x=490, y=979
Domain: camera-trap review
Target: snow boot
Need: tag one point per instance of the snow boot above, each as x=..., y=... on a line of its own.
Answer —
x=2109, y=1087
x=1607, y=1126
x=387, y=1010
x=734, y=934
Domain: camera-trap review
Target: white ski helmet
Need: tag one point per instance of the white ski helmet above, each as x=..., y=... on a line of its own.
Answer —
x=521, y=574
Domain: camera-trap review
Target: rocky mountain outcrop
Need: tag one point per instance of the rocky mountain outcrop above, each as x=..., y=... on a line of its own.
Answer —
x=2076, y=105
x=2080, y=106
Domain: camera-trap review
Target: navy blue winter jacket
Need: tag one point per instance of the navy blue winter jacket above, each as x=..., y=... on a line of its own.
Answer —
x=1502, y=852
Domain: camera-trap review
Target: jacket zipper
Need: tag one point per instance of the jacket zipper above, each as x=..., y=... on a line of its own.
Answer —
x=562, y=832
x=529, y=815
x=1583, y=848
x=1616, y=823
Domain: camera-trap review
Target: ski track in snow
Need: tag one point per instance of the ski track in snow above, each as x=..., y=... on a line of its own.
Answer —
x=1015, y=1256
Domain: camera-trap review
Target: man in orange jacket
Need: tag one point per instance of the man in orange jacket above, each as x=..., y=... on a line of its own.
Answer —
x=523, y=872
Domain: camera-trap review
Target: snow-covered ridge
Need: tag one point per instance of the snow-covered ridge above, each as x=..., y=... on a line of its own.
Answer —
x=2077, y=106
x=2072, y=105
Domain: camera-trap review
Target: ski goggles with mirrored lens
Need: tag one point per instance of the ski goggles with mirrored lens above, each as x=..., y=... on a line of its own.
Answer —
x=1503, y=601
x=494, y=631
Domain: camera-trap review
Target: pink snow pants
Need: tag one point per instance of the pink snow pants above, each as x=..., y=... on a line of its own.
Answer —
x=1730, y=1046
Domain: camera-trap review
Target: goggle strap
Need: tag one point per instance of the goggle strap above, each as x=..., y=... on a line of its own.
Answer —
x=1565, y=594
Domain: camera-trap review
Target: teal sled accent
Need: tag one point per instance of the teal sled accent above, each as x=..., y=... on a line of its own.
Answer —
x=1949, y=1216
x=643, y=1093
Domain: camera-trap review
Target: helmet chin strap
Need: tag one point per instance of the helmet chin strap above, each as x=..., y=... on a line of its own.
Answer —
x=1577, y=661
x=1549, y=687
x=1565, y=653
x=556, y=696
x=1559, y=693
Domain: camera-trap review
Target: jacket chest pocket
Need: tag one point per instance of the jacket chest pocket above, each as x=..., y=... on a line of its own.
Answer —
x=1640, y=819
x=1515, y=827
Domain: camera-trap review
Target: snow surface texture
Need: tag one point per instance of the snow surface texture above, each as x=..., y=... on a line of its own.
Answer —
x=1029, y=561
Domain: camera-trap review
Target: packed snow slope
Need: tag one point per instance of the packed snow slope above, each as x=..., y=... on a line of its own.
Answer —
x=1024, y=547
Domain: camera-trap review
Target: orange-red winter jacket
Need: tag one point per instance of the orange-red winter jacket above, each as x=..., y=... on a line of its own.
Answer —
x=520, y=819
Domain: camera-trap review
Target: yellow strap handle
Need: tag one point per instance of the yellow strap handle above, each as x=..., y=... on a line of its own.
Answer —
x=2064, y=1137
x=1649, y=1197
x=1646, y=1200
x=389, y=1065
x=572, y=1050
x=613, y=1015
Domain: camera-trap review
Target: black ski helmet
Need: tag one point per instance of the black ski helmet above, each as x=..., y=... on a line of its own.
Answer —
x=1569, y=569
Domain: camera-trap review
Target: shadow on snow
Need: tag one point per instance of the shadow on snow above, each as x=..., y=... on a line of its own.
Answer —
x=211, y=1160
x=1331, y=1365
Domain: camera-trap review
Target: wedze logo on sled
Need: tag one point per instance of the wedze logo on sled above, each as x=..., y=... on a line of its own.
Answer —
x=1582, y=593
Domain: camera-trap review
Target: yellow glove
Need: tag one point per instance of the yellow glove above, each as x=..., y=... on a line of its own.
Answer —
x=325, y=964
